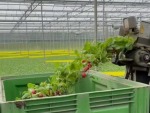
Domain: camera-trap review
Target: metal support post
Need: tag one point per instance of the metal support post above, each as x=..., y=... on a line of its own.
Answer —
x=43, y=28
x=95, y=17
x=103, y=20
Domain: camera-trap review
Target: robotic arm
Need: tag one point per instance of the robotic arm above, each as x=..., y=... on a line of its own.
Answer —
x=137, y=60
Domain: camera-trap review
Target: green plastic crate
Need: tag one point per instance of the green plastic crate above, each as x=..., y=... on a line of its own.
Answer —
x=95, y=94
x=15, y=85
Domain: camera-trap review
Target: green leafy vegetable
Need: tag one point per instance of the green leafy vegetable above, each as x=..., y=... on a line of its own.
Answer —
x=66, y=75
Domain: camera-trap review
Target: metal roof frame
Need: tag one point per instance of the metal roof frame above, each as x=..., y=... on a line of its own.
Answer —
x=69, y=12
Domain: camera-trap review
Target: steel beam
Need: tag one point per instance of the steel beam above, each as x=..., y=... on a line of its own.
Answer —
x=70, y=16
x=63, y=21
x=67, y=11
x=79, y=2
x=51, y=29
x=63, y=5
x=95, y=19
x=25, y=15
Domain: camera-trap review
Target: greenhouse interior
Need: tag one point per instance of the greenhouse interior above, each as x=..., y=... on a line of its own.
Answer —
x=74, y=56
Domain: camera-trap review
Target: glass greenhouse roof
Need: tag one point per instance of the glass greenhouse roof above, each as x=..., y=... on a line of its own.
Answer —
x=22, y=15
